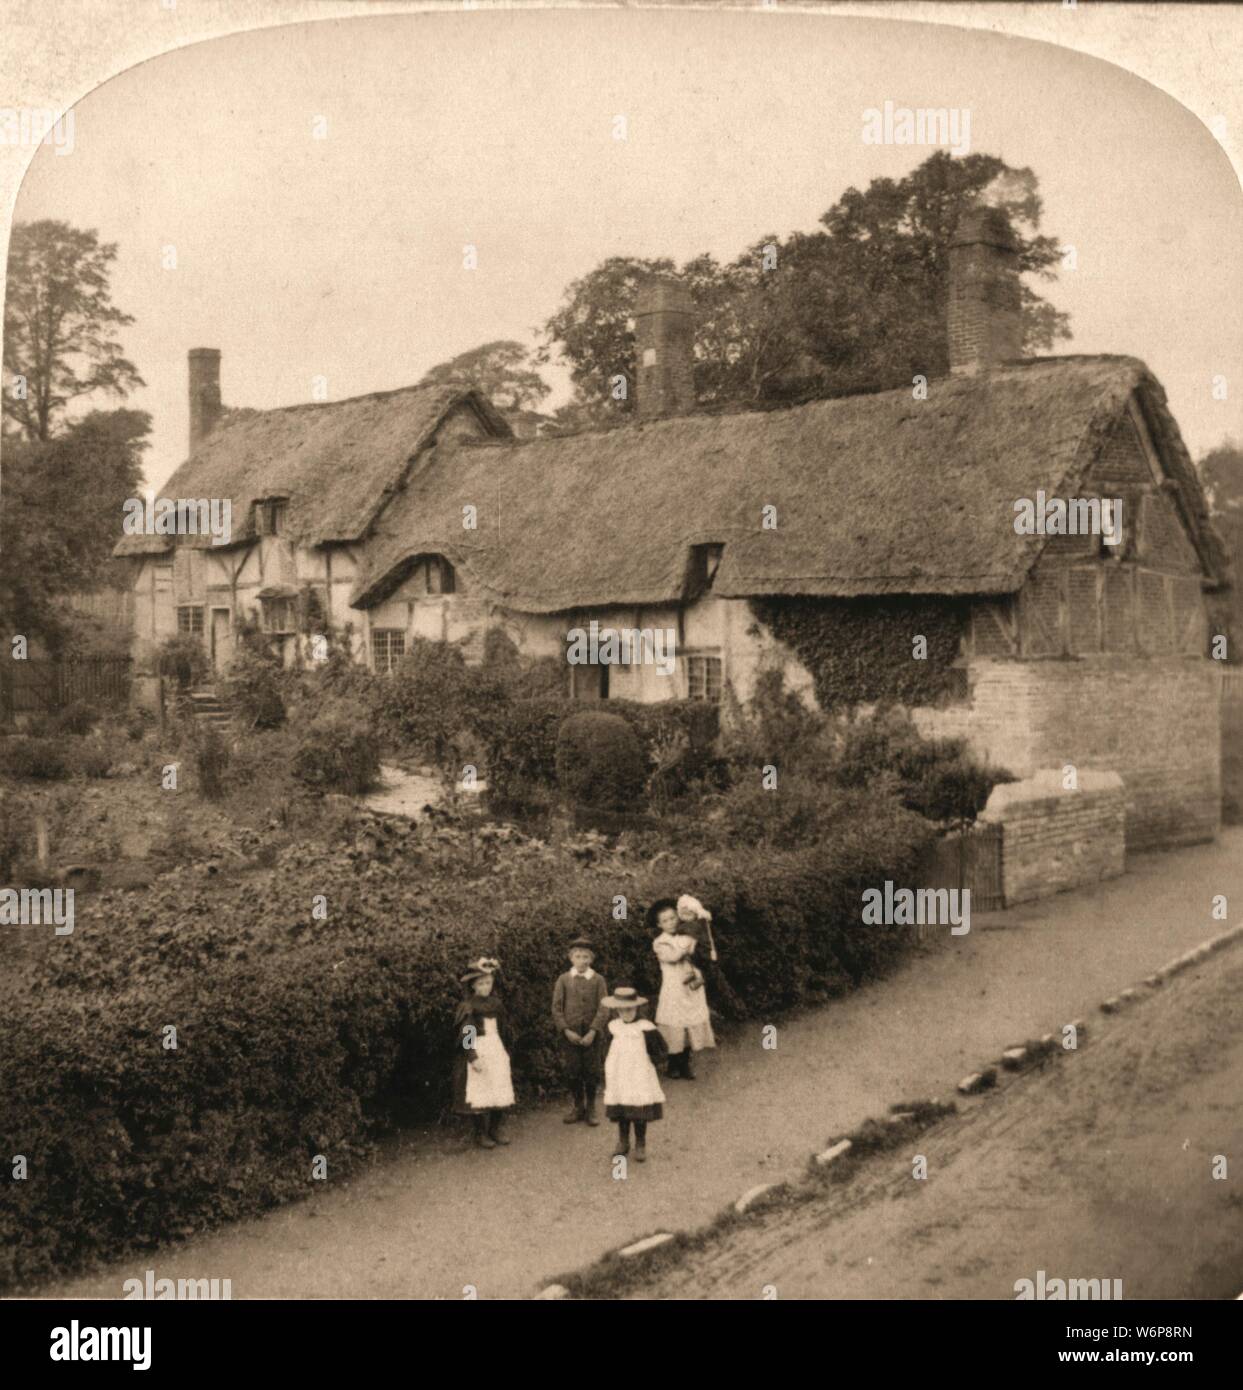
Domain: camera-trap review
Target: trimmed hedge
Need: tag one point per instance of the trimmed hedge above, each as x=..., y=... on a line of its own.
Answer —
x=600, y=761
x=298, y=1037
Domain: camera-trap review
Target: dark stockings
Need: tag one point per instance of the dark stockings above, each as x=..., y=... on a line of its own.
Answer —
x=623, y=1133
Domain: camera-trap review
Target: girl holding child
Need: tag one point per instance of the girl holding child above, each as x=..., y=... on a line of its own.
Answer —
x=682, y=1010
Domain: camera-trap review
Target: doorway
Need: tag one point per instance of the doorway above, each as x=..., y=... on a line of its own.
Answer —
x=221, y=638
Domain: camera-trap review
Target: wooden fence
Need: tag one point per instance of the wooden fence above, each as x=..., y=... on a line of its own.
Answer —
x=40, y=686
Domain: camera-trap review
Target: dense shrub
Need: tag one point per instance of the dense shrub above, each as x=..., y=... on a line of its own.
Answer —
x=600, y=761
x=91, y=760
x=300, y=1037
x=78, y=717
x=520, y=750
x=42, y=758
x=252, y=688
x=433, y=700
x=938, y=778
x=777, y=728
x=211, y=762
x=183, y=659
x=17, y=815
x=338, y=751
x=680, y=742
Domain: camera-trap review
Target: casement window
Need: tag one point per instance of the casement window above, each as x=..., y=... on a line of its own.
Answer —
x=703, y=678
x=388, y=646
x=280, y=615
x=190, y=620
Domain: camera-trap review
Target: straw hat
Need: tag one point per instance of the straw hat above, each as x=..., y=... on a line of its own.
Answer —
x=624, y=997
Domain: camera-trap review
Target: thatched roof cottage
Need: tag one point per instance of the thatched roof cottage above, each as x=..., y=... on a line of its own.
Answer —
x=872, y=547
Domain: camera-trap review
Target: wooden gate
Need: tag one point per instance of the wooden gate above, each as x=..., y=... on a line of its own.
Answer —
x=968, y=858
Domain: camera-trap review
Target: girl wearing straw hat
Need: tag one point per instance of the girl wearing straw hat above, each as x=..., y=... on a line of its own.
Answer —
x=632, y=1093
x=482, y=1084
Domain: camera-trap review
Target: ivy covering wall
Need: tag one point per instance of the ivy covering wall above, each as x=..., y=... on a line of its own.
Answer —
x=863, y=650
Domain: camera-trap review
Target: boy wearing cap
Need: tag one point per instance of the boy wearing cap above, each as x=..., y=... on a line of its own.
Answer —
x=579, y=1016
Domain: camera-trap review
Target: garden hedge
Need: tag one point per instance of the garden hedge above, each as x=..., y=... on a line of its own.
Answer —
x=299, y=1037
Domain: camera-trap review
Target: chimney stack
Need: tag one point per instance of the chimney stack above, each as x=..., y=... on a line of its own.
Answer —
x=664, y=331
x=985, y=295
x=204, y=393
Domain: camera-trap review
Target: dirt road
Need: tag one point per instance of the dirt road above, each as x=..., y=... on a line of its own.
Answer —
x=1099, y=1167
x=431, y=1217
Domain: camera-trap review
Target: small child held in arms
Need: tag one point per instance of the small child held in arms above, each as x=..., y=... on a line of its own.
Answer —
x=579, y=1016
x=632, y=1094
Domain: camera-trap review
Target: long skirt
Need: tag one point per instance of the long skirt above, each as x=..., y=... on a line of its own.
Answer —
x=491, y=1087
x=698, y=1035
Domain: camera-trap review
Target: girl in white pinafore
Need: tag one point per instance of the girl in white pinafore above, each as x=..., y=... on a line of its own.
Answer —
x=682, y=1010
x=482, y=1085
x=632, y=1093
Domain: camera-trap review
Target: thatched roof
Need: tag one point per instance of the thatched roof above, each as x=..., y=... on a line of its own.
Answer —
x=874, y=494
x=337, y=463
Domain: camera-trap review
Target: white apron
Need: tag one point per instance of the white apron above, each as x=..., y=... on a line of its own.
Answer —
x=491, y=1088
x=629, y=1076
x=680, y=1011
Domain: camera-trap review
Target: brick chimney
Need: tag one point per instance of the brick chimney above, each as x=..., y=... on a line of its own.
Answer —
x=984, y=311
x=664, y=331
x=204, y=393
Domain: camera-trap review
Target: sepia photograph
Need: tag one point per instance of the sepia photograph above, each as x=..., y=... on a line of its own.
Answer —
x=621, y=663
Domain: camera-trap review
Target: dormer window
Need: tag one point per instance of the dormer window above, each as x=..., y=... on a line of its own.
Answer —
x=270, y=513
x=440, y=576
x=705, y=561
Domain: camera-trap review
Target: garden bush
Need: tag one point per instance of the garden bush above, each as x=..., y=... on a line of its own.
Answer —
x=338, y=751
x=600, y=761
x=252, y=689
x=520, y=750
x=44, y=759
x=211, y=762
x=938, y=778
x=90, y=759
x=183, y=659
x=297, y=1038
x=77, y=717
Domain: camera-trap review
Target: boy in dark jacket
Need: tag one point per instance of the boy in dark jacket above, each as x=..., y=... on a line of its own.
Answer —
x=579, y=1015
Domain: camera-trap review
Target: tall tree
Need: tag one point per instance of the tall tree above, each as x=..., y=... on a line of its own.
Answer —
x=856, y=306
x=63, y=509
x=503, y=372
x=59, y=326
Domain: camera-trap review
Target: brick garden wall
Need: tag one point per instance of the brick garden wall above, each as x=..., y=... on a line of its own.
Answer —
x=1053, y=838
x=1154, y=720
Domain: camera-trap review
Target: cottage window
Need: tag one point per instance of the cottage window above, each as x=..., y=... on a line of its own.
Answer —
x=703, y=678
x=190, y=620
x=388, y=646
x=440, y=576
x=280, y=615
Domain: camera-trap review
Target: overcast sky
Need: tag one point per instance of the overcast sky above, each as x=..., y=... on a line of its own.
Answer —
x=342, y=257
